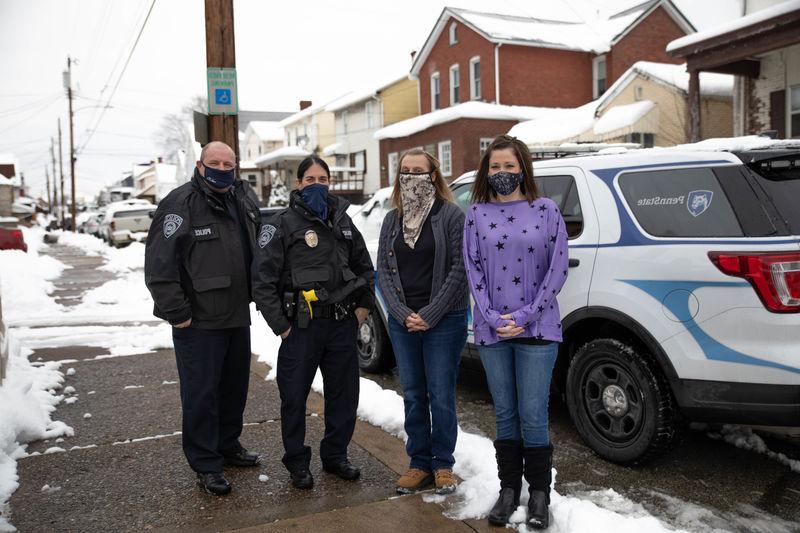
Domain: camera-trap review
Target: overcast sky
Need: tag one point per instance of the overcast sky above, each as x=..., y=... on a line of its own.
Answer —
x=286, y=51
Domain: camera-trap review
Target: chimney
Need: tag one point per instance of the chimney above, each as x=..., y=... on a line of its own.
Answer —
x=160, y=159
x=413, y=55
x=305, y=104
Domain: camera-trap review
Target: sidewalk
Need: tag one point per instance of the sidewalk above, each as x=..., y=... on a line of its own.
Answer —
x=124, y=468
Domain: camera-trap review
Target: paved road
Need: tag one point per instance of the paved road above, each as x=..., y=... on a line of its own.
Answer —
x=734, y=489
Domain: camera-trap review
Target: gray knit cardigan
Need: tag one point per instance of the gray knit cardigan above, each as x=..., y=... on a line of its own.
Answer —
x=449, y=291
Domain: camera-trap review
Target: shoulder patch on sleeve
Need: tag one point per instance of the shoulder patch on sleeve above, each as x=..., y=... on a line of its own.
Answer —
x=171, y=224
x=267, y=232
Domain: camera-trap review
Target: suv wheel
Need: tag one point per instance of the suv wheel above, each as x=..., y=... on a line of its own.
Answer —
x=620, y=402
x=374, y=349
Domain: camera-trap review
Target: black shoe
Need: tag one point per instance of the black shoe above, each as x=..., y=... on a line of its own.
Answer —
x=242, y=458
x=213, y=483
x=504, y=507
x=538, y=513
x=343, y=469
x=302, y=479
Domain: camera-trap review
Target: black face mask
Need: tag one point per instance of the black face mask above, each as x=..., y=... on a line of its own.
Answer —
x=221, y=179
x=505, y=183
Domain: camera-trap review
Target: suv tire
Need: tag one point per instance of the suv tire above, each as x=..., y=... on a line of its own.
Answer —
x=620, y=402
x=374, y=348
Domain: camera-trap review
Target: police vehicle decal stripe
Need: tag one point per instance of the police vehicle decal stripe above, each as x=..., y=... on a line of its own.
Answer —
x=630, y=234
x=711, y=348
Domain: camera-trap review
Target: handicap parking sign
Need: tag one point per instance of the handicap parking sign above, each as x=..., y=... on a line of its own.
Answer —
x=222, y=96
x=222, y=99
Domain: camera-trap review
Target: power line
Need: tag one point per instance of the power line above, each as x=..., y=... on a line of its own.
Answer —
x=119, y=79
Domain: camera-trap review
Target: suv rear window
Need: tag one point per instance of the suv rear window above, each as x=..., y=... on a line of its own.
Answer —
x=780, y=180
x=132, y=214
x=680, y=203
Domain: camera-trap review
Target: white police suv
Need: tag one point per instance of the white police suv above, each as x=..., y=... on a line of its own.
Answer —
x=683, y=299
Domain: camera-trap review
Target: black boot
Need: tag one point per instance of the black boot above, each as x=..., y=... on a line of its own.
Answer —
x=538, y=474
x=509, y=469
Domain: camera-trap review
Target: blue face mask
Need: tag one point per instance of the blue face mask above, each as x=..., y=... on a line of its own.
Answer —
x=316, y=198
x=220, y=179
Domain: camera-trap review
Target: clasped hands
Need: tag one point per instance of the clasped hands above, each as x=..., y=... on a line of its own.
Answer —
x=510, y=329
x=415, y=323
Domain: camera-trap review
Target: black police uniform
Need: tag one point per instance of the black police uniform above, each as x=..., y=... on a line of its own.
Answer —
x=297, y=252
x=197, y=265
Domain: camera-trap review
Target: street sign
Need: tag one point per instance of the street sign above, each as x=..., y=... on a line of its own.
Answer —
x=222, y=97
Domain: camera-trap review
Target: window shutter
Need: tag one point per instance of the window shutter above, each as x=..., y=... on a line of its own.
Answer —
x=777, y=112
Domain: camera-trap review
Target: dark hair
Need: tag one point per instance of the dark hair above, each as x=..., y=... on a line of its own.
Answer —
x=308, y=162
x=442, y=190
x=481, y=190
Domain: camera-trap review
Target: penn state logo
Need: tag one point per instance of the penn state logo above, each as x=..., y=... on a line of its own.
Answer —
x=699, y=202
x=267, y=232
x=171, y=224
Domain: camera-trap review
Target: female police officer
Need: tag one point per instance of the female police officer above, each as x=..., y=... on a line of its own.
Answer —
x=313, y=283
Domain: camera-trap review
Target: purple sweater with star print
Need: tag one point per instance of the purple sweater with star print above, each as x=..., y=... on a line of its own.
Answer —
x=517, y=260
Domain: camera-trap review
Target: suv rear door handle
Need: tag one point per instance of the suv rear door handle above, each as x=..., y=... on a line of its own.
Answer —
x=574, y=262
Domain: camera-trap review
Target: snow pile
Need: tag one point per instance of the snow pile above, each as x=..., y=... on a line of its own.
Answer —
x=475, y=462
x=622, y=116
x=88, y=243
x=123, y=298
x=744, y=438
x=24, y=280
x=119, y=340
x=124, y=259
x=27, y=397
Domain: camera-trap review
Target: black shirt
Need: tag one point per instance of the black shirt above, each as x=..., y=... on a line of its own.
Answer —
x=416, y=265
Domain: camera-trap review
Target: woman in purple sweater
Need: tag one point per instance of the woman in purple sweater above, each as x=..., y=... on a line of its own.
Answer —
x=516, y=256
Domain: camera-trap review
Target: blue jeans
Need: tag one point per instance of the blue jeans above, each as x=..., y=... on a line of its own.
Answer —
x=519, y=380
x=428, y=363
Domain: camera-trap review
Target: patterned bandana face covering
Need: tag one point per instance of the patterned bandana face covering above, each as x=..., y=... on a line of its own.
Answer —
x=417, y=194
x=505, y=183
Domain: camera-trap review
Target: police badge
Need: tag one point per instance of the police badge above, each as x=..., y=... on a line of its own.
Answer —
x=171, y=224
x=267, y=231
x=311, y=238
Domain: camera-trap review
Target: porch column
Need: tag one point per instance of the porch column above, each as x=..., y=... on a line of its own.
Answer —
x=694, y=106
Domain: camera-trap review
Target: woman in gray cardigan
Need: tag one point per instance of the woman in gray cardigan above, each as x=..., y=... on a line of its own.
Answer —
x=422, y=278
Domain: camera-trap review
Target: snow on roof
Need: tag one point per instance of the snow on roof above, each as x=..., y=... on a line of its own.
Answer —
x=735, y=24
x=331, y=149
x=266, y=130
x=556, y=126
x=310, y=110
x=622, y=116
x=356, y=97
x=5, y=181
x=284, y=152
x=733, y=144
x=466, y=110
x=711, y=83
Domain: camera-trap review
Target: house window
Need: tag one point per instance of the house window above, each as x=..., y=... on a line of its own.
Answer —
x=391, y=167
x=344, y=122
x=598, y=76
x=794, y=112
x=475, y=78
x=435, y=96
x=453, y=36
x=455, y=85
x=446, y=158
x=484, y=144
x=372, y=115
x=252, y=179
x=645, y=139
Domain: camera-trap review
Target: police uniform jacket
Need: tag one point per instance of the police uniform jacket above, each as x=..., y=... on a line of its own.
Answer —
x=195, y=261
x=299, y=251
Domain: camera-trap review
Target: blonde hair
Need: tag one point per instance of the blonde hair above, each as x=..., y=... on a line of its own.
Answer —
x=442, y=189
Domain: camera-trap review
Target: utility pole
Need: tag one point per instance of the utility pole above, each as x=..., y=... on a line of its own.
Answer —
x=55, y=181
x=47, y=181
x=68, y=82
x=221, y=53
x=63, y=203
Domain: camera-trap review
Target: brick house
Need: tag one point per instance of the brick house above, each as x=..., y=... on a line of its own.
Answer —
x=762, y=49
x=486, y=57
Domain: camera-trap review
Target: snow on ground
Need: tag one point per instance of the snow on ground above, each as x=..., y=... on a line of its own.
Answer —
x=744, y=438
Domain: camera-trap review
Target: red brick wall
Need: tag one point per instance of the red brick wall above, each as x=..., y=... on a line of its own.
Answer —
x=646, y=42
x=464, y=135
x=544, y=76
x=442, y=56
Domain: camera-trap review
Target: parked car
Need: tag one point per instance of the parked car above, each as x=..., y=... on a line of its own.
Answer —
x=683, y=299
x=126, y=222
x=11, y=237
x=93, y=224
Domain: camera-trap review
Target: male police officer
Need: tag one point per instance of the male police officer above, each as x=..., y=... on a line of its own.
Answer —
x=313, y=283
x=197, y=268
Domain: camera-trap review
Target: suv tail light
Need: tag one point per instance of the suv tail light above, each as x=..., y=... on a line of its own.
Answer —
x=774, y=275
x=113, y=225
x=16, y=234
